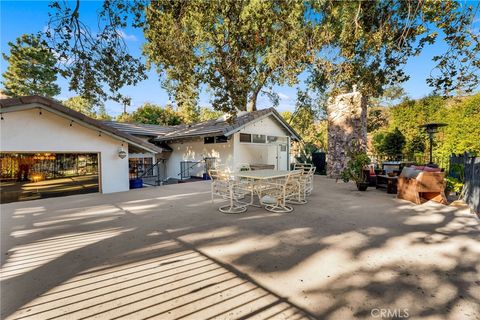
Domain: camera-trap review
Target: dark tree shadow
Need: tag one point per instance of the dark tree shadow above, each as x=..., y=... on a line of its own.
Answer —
x=167, y=253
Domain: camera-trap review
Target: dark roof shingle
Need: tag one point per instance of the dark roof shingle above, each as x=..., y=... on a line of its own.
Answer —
x=205, y=128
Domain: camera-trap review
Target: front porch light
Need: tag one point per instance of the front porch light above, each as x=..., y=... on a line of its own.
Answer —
x=122, y=153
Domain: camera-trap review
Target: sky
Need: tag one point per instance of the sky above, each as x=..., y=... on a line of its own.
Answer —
x=19, y=17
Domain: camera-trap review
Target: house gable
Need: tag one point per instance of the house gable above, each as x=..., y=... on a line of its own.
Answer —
x=267, y=125
x=41, y=103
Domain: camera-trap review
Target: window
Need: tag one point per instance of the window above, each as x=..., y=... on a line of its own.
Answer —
x=209, y=140
x=271, y=139
x=221, y=139
x=258, y=138
x=261, y=138
x=245, y=137
x=217, y=139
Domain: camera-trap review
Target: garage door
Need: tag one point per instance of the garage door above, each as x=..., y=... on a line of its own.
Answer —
x=29, y=176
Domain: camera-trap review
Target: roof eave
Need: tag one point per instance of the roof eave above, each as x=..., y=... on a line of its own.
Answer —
x=19, y=104
x=277, y=116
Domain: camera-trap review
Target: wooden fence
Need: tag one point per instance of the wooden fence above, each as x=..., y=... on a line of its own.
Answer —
x=471, y=173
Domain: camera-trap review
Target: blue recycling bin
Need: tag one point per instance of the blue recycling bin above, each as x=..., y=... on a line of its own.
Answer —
x=136, y=183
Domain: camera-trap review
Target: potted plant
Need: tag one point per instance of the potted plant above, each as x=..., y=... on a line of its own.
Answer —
x=354, y=170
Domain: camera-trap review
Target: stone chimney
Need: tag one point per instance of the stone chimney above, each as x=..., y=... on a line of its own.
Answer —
x=347, y=122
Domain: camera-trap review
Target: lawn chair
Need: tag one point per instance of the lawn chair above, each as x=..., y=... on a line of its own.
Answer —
x=302, y=166
x=309, y=180
x=227, y=189
x=277, y=194
x=303, y=182
x=309, y=171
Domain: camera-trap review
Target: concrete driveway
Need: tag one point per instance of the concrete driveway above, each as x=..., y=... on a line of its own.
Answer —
x=167, y=253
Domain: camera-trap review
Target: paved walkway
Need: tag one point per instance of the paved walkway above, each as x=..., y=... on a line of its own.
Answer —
x=167, y=253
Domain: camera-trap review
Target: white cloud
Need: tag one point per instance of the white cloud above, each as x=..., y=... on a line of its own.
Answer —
x=283, y=96
x=125, y=36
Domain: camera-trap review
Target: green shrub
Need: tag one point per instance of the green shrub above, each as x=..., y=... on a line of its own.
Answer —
x=354, y=168
x=390, y=144
x=453, y=184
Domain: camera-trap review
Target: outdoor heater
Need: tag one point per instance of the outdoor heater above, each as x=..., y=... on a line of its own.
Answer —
x=432, y=128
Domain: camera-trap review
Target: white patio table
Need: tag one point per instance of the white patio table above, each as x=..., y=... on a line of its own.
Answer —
x=256, y=177
x=266, y=174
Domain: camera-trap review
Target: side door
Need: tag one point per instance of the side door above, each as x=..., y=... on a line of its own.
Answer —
x=282, y=156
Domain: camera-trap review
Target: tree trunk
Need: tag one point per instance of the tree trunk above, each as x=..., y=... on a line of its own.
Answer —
x=252, y=103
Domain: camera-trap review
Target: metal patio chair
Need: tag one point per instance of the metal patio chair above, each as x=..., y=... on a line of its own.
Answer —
x=227, y=189
x=279, y=192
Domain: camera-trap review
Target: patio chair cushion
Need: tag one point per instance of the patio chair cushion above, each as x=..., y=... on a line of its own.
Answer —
x=429, y=169
x=410, y=172
x=268, y=200
x=418, y=167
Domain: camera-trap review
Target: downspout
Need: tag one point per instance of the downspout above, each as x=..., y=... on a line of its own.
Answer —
x=288, y=153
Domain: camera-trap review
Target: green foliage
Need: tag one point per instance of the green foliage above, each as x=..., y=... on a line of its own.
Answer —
x=149, y=113
x=31, y=68
x=358, y=160
x=453, y=184
x=237, y=48
x=308, y=122
x=367, y=43
x=463, y=130
x=305, y=152
x=390, y=144
x=209, y=114
x=377, y=118
x=462, y=116
x=189, y=113
x=153, y=114
x=97, y=63
x=390, y=96
x=82, y=105
x=459, y=171
x=416, y=146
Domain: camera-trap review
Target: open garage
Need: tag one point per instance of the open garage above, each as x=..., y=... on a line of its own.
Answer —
x=48, y=150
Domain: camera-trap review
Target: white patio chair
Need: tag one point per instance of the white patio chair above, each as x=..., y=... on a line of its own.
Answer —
x=302, y=166
x=300, y=195
x=275, y=194
x=309, y=181
x=227, y=189
x=309, y=171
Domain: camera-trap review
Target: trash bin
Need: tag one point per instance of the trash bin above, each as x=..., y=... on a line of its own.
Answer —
x=136, y=183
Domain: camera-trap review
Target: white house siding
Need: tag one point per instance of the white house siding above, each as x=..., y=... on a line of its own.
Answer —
x=196, y=150
x=28, y=131
x=251, y=153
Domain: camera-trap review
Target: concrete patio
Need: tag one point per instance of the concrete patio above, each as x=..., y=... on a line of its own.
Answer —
x=167, y=253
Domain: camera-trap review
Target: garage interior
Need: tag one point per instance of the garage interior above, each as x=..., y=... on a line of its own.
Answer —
x=30, y=176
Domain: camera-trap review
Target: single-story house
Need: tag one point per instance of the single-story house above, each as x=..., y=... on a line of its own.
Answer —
x=47, y=149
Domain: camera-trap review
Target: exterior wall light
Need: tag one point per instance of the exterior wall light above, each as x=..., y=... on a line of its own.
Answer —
x=122, y=153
